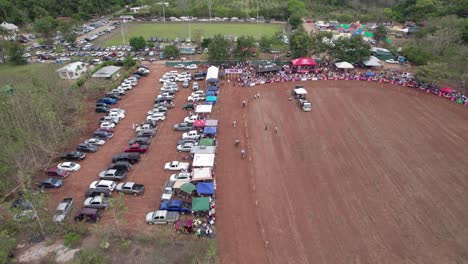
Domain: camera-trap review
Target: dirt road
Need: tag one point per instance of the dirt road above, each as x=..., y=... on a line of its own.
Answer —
x=374, y=174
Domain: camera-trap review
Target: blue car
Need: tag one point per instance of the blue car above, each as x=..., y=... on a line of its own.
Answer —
x=176, y=206
x=50, y=183
x=107, y=100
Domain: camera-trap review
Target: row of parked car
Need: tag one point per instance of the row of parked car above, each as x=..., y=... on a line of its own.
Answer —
x=171, y=207
x=97, y=196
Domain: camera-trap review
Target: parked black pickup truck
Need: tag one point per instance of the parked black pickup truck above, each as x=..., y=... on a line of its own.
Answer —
x=130, y=157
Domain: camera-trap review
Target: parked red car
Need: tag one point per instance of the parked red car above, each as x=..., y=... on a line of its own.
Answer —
x=107, y=129
x=57, y=173
x=136, y=148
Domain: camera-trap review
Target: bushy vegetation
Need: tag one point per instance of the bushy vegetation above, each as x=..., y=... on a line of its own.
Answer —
x=22, y=12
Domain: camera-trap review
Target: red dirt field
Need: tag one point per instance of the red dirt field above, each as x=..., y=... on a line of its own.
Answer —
x=374, y=174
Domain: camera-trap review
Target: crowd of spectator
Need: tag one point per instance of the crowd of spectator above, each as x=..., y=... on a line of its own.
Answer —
x=251, y=76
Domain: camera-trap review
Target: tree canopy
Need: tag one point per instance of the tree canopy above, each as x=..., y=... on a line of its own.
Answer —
x=170, y=51
x=218, y=49
x=300, y=43
x=138, y=43
x=353, y=49
x=242, y=48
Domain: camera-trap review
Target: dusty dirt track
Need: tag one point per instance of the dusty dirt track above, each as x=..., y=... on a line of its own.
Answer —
x=374, y=174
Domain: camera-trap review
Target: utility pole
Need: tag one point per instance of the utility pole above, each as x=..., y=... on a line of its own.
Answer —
x=164, y=12
x=210, y=3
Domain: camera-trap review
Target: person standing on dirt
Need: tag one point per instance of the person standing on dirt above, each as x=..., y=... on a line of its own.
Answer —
x=266, y=127
x=244, y=104
x=276, y=129
x=243, y=153
x=234, y=123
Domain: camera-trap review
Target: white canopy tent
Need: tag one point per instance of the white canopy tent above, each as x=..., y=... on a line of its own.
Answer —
x=203, y=109
x=211, y=123
x=203, y=150
x=203, y=160
x=372, y=62
x=202, y=174
x=212, y=74
x=344, y=65
x=300, y=91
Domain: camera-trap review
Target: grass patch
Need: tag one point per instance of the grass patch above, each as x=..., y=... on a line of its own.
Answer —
x=181, y=30
x=21, y=76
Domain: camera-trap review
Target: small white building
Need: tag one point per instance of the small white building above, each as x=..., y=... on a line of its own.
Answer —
x=108, y=72
x=73, y=70
x=137, y=9
x=12, y=30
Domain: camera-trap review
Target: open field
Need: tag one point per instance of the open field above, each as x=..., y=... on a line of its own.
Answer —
x=181, y=30
x=25, y=75
x=374, y=174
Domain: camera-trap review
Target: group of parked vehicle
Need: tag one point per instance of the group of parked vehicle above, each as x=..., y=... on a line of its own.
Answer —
x=181, y=185
x=97, y=197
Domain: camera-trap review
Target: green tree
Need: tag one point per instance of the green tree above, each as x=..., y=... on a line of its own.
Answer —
x=433, y=73
x=138, y=43
x=129, y=61
x=170, y=51
x=416, y=54
x=265, y=43
x=242, y=48
x=218, y=49
x=300, y=44
x=296, y=7
x=46, y=27
x=353, y=49
x=206, y=42
x=322, y=45
x=295, y=21
x=7, y=245
x=15, y=51
x=68, y=28
x=380, y=33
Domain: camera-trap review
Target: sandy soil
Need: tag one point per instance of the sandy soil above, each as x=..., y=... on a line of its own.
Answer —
x=374, y=174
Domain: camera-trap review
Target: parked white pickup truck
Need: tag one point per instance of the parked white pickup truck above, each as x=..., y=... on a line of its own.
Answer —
x=176, y=166
x=193, y=134
x=161, y=217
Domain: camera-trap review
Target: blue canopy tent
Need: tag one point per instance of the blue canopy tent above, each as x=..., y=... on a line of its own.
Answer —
x=211, y=93
x=370, y=74
x=211, y=98
x=213, y=88
x=210, y=131
x=205, y=188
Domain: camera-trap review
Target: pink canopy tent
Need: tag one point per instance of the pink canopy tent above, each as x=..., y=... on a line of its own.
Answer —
x=446, y=90
x=199, y=123
x=304, y=62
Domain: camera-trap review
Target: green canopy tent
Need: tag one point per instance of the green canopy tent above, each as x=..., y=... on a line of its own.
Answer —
x=200, y=204
x=206, y=142
x=188, y=187
x=368, y=34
